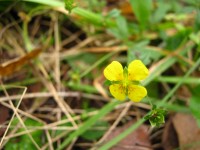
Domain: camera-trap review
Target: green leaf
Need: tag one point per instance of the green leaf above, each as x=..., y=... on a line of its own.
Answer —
x=94, y=134
x=113, y=13
x=69, y=5
x=155, y=92
x=142, y=10
x=140, y=51
x=121, y=31
x=195, y=37
x=175, y=41
x=194, y=104
x=107, y=83
x=24, y=142
x=95, y=5
x=161, y=11
x=156, y=117
x=123, y=27
x=157, y=121
x=197, y=21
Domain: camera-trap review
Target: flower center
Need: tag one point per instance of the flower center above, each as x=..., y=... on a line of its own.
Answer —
x=126, y=82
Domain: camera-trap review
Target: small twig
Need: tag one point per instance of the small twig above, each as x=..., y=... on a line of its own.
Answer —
x=18, y=116
x=61, y=94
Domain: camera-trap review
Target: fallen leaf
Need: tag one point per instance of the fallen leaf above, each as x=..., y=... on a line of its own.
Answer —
x=187, y=131
x=169, y=136
x=13, y=65
x=4, y=115
x=126, y=8
x=137, y=140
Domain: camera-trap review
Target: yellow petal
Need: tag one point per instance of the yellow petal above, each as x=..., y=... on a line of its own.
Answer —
x=114, y=71
x=136, y=92
x=137, y=71
x=118, y=91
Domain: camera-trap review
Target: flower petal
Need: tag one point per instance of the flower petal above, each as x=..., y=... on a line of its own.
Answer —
x=118, y=91
x=137, y=71
x=114, y=71
x=136, y=92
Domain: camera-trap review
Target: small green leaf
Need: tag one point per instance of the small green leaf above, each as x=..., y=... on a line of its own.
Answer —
x=69, y=5
x=156, y=117
x=107, y=82
x=157, y=120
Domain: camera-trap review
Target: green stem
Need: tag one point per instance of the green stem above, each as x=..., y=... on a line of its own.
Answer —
x=27, y=41
x=105, y=110
x=98, y=63
x=172, y=91
x=96, y=19
x=150, y=102
x=173, y=79
x=122, y=135
x=89, y=16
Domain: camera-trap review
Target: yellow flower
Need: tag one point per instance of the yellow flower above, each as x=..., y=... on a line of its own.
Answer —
x=125, y=82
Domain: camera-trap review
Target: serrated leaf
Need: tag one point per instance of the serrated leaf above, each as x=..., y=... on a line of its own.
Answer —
x=69, y=5
x=140, y=51
x=156, y=117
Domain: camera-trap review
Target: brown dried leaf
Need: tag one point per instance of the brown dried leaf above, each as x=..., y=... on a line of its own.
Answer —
x=169, y=137
x=4, y=115
x=137, y=140
x=187, y=131
x=11, y=66
x=126, y=8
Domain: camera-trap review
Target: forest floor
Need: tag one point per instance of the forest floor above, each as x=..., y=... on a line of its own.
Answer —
x=53, y=93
